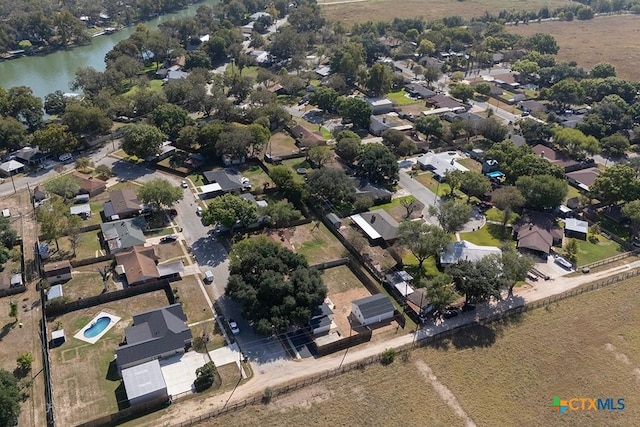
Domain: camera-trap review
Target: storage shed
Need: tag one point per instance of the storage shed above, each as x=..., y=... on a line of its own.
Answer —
x=372, y=309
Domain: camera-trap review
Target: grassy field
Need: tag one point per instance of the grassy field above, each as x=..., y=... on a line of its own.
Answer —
x=340, y=279
x=593, y=41
x=281, y=144
x=317, y=244
x=489, y=235
x=591, y=252
x=398, y=211
x=400, y=98
x=386, y=10
x=586, y=346
x=193, y=302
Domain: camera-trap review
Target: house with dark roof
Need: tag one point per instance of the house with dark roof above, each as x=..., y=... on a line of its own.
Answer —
x=89, y=184
x=583, y=179
x=122, y=204
x=380, y=123
x=306, y=138
x=228, y=180
x=417, y=90
x=537, y=233
x=322, y=320
x=372, y=309
x=56, y=272
x=377, y=225
x=443, y=101
x=39, y=193
x=419, y=302
x=30, y=156
x=123, y=234
x=557, y=157
x=155, y=334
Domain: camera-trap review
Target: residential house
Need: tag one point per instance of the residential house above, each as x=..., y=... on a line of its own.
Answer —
x=419, y=302
x=532, y=106
x=155, y=334
x=377, y=225
x=576, y=228
x=122, y=204
x=56, y=272
x=506, y=81
x=89, y=184
x=221, y=181
x=417, y=90
x=380, y=123
x=138, y=265
x=11, y=167
x=466, y=251
x=489, y=166
x=583, y=179
x=123, y=234
x=439, y=164
x=372, y=309
x=380, y=105
x=83, y=211
x=144, y=383
x=558, y=158
x=473, y=118
x=306, y=138
x=430, y=61
x=322, y=320
x=323, y=71
x=443, y=101
x=30, y=156
x=537, y=234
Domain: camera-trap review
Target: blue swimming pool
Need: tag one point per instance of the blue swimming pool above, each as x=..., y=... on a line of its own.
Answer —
x=97, y=327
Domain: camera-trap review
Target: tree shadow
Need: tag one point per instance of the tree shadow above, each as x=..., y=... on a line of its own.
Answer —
x=6, y=329
x=112, y=372
x=475, y=336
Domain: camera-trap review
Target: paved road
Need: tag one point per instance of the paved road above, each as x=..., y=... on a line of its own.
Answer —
x=420, y=192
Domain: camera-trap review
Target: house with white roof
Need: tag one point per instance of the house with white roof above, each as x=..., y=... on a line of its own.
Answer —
x=440, y=164
x=466, y=251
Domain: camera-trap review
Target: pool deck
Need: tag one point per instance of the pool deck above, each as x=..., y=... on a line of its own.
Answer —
x=80, y=334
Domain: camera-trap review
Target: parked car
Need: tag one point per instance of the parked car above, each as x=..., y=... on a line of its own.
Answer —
x=168, y=239
x=233, y=325
x=208, y=276
x=65, y=157
x=563, y=262
x=448, y=314
x=184, y=184
x=199, y=211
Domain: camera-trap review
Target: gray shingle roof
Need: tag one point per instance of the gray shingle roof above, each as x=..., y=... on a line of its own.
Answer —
x=227, y=179
x=375, y=305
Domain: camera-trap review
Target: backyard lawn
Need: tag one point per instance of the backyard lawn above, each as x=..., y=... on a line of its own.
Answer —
x=85, y=386
x=88, y=247
x=256, y=175
x=591, y=252
x=400, y=97
x=427, y=179
x=281, y=144
x=295, y=164
x=489, y=235
x=398, y=211
x=193, y=302
x=316, y=243
x=340, y=279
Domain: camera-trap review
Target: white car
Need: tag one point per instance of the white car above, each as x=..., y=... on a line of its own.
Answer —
x=199, y=211
x=563, y=262
x=184, y=184
x=235, y=330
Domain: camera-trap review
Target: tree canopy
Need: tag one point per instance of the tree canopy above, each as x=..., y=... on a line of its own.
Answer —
x=142, y=140
x=422, y=240
x=542, y=191
x=332, y=186
x=229, y=210
x=378, y=164
x=9, y=399
x=451, y=215
x=160, y=193
x=274, y=286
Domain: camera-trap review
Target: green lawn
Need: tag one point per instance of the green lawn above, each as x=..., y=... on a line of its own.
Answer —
x=256, y=175
x=294, y=164
x=589, y=252
x=495, y=214
x=392, y=204
x=489, y=235
x=154, y=86
x=197, y=179
x=400, y=98
x=573, y=192
x=160, y=232
x=471, y=164
x=430, y=182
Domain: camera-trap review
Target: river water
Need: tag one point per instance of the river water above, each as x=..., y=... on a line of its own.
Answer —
x=56, y=71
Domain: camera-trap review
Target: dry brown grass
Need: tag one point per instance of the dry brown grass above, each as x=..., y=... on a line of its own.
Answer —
x=315, y=242
x=499, y=374
x=193, y=301
x=386, y=10
x=612, y=39
x=377, y=396
x=79, y=370
x=340, y=279
x=281, y=144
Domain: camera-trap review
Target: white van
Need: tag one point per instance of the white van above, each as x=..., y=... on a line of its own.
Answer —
x=208, y=276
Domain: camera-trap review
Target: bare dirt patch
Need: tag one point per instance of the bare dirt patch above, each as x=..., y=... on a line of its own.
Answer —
x=611, y=39
x=342, y=310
